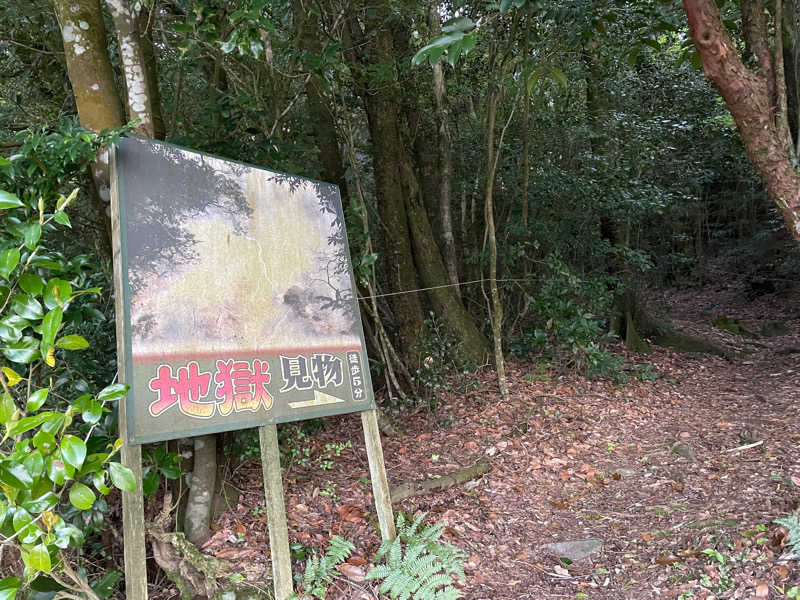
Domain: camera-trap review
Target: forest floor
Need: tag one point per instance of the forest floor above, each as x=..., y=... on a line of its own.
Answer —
x=649, y=467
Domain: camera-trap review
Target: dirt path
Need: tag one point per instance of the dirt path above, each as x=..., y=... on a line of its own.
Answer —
x=573, y=459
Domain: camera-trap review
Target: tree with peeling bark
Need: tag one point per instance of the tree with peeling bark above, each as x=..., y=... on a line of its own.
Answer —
x=755, y=93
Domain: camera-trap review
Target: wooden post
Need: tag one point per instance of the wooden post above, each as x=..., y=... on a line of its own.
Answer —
x=133, y=529
x=276, y=512
x=377, y=473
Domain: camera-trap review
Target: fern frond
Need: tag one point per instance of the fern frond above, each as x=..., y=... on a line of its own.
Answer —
x=428, y=590
x=418, y=565
x=339, y=550
x=448, y=593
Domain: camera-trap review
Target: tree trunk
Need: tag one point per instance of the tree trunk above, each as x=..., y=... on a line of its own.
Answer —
x=197, y=520
x=91, y=76
x=753, y=97
x=134, y=67
x=492, y=159
x=472, y=346
x=387, y=152
x=445, y=158
x=319, y=108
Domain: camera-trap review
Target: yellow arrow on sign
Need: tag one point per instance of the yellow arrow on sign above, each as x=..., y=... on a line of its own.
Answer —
x=320, y=399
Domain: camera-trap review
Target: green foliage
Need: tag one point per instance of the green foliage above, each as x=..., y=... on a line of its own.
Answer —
x=435, y=351
x=158, y=462
x=438, y=363
x=417, y=564
x=319, y=570
x=55, y=454
x=571, y=321
x=792, y=523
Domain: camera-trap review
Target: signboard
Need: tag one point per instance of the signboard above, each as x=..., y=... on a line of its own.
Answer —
x=238, y=295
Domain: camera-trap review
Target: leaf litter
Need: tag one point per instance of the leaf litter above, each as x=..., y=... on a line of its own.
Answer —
x=578, y=459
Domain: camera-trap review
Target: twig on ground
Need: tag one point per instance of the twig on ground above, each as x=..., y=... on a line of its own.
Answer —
x=753, y=445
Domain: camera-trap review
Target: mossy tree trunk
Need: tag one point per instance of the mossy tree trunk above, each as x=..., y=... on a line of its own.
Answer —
x=408, y=236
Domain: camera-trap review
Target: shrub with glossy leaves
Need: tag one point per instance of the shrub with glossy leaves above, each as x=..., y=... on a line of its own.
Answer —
x=56, y=451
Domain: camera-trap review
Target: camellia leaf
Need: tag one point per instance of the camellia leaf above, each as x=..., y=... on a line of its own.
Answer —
x=42, y=503
x=32, y=234
x=57, y=471
x=9, y=587
x=39, y=558
x=9, y=259
x=50, y=324
x=61, y=217
x=31, y=283
x=36, y=399
x=92, y=413
x=15, y=476
x=29, y=423
x=12, y=377
x=50, y=357
x=44, y=441
x=34, y=463
x=9, y=200
x=27, y=306
x=112, y=392
x=150, y=483
x=57, y=293
x=11, y=328
x=73, y=450
x=72, y=342
x=122, y=477
x=24, y=351
x=81, y=496
x=7, y=408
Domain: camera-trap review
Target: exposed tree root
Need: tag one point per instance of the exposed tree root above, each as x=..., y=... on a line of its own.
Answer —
x=418, y=488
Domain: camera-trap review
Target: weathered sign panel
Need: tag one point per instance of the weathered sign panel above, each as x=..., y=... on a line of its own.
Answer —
x=238, y=296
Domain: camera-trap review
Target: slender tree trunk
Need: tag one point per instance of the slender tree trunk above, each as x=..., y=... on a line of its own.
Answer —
x=753, y=97
x=445, y=158
x=196, y=522
x=134, y=67
x=491, y=235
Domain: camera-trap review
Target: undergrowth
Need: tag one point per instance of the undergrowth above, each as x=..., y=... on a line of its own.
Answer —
x=416, y=565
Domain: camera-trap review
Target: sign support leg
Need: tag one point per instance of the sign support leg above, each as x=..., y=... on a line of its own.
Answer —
x=276, y=512
x=133, y=528
x=377, y=473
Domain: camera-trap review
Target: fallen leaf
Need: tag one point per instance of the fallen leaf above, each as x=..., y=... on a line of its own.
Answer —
x=762, y=590
x=240, y=528
x=646, y=536
x=352, y=513
x=351, y=571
